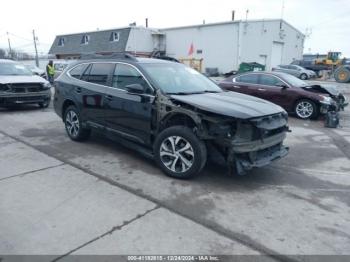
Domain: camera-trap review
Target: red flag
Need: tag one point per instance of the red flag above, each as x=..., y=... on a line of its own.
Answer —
x=191, y=50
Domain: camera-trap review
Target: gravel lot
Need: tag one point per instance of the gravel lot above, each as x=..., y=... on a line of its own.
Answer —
x=60, y=197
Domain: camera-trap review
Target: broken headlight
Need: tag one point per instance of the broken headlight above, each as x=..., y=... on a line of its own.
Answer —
x=4, y=88
x=326, y=100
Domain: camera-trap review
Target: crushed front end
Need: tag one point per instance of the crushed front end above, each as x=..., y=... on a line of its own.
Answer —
x=254, y=142
x=24, y=93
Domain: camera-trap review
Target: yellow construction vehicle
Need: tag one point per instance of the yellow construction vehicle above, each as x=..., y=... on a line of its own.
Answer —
x=333, y=59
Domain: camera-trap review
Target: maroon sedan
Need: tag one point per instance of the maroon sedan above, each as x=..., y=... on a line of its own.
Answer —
x=291, y=93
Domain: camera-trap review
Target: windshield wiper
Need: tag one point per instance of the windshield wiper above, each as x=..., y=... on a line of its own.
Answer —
x=186, y=93
x=193, y=93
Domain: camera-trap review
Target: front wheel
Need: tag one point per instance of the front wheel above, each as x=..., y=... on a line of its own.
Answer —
x=179, y=152
x=73, y=125
x=306, y=109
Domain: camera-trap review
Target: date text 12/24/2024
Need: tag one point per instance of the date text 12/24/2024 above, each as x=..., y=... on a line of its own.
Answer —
x=173, y=258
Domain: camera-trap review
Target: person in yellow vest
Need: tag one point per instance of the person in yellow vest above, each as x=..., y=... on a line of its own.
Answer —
x=50, y=71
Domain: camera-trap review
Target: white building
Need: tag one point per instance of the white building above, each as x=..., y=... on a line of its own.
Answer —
x=226, y=45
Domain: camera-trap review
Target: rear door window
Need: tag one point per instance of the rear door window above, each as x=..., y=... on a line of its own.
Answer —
x=249, y=79
x=100, y=72
x=270, y=81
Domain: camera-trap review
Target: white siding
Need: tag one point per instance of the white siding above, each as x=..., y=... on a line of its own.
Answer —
x=218, y=44
x=141, y=41
x=226, y=45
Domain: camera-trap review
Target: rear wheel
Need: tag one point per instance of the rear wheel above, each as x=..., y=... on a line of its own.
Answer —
x=306, y=109
x=73, y=125
x=179, y=152
x=342, y=75
x=303, y=76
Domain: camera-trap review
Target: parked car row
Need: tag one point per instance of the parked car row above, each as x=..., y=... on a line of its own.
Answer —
x=173, y=113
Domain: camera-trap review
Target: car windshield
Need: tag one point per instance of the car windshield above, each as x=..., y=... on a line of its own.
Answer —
x=175, y=78
x=14, y=69
x=292, y=80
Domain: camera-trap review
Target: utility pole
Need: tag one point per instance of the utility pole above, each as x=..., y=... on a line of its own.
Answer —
x=8, y=39
x=36, y=50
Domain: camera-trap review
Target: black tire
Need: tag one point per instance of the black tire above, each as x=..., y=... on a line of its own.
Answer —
x=307, y=104
x=44, y=104
x=342, y=75
x=76, y=133
x=303, y=76
x=196, y=154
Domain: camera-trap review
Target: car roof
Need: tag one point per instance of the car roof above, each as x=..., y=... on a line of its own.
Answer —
x=278, y=74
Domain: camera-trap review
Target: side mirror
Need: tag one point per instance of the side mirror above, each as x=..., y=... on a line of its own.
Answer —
x=283, y=86
x=135, y=88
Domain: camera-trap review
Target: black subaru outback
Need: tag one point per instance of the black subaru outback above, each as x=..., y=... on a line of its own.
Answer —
x=170, y=112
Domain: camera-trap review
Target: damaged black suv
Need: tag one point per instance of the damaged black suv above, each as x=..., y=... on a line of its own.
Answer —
x=170, y=112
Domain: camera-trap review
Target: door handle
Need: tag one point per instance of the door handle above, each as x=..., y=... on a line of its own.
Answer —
x=261, y=89
x=109, y=97
x=78, y=90
x=236, y=86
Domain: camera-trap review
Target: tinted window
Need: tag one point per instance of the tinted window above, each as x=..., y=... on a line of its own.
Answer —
x=77, y=71
x=250, y=79
x=270, y=80
x=126, y=75
x=99, y=73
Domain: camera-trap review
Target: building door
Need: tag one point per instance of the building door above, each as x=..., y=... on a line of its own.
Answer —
x=276, y=55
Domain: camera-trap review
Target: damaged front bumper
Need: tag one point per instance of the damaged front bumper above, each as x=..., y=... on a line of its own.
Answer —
x=25, y=98
x=245, y=156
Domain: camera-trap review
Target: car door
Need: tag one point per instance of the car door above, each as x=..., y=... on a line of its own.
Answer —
x=245, y=84
x=96, y=82
x=129, y=112
x=273, y=89
x=294, y=70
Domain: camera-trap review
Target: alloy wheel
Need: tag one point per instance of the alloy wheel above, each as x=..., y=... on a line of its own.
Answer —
x=304, y=109
x=72, y=123
x=177, y=154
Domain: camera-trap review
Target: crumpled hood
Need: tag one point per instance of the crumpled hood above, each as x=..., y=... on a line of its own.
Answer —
x=21, y=79
x=323, y=89
x=230, y=104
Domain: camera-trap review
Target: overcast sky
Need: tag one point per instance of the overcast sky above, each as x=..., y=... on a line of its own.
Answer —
x=328, y=19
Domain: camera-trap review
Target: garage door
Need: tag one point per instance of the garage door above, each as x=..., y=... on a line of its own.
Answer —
x=276, y=56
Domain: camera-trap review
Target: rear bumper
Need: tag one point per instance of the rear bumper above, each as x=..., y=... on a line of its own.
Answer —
x=25, y=98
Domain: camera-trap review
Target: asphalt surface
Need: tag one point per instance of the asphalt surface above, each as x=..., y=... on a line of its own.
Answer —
x=60, y=197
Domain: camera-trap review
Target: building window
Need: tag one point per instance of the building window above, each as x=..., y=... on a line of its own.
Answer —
x=61, y=41
x=114, y=37
x=85, y=40
x=199, y=51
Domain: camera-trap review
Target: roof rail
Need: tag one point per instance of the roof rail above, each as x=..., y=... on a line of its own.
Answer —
x=122, y=55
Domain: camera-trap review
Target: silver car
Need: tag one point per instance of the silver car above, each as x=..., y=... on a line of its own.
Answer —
x=295, y=70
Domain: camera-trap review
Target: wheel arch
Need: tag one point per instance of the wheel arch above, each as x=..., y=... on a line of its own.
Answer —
x=67, y=102
x=175, y=119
